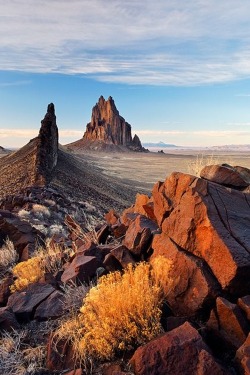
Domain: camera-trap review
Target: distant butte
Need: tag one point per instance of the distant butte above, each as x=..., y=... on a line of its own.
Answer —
x=107, y=131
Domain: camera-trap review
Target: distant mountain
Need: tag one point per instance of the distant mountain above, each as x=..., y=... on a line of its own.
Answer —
x=159, y=145
x=236, y=148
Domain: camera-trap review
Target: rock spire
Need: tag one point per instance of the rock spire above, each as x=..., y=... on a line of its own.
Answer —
x=109, y=127
x=47, y=144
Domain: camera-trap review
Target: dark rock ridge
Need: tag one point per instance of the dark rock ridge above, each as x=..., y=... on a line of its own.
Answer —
x=108, y=130
x=33, y=164
x=47, y=152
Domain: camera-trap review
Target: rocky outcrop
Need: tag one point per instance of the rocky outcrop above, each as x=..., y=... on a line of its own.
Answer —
x=108, y=130
x=224, y=174
x=47, y=151
x=181, y=351
x=34, y=163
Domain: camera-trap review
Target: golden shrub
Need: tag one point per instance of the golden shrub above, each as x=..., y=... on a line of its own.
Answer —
x=27, y=272
x=161, y=270
x=121, y=312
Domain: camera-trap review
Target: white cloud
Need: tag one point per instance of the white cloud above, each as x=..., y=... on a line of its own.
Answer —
x=133, y=42
x=18, y=133
x=26, y=133
x=159, y=132
x=15, y=83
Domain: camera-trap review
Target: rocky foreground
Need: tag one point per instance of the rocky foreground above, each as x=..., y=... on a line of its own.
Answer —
x=198, y=227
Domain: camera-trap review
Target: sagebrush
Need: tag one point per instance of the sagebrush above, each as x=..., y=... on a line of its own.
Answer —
x=121, y=312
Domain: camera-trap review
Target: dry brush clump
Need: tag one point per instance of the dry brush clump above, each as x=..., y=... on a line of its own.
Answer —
x=26, y=273
x=46, y=259
x=19, y=358
x=8, y=257
x=121, y=312
x=195, y=167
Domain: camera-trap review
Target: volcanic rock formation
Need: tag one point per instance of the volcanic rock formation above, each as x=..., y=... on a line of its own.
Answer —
x=108, y=130
x=34, y=163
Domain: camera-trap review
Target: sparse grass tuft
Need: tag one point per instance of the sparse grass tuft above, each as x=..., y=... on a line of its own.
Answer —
x=40, y=211
x=8, y=257
x=23, y=351
x=195, y=167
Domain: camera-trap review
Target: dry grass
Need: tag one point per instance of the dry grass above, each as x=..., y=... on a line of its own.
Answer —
x=40, y=211
x=8, y=257
x=87, y=234
x=195, y=167
x=17, y=357
x=121, y=312
x=74, y=295
x=27, y=273
x=50, y=258
x=36, y=215
x=53, y=256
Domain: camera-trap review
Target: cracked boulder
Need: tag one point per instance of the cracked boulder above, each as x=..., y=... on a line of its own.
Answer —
x=209, y=221
x=224, y=174
x=181, y=351
x=229, y=322
x=194, y=287
x=139, y=235
x=25, y=303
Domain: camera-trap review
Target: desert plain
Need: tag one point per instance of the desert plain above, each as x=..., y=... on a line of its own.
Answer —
x=140, y=171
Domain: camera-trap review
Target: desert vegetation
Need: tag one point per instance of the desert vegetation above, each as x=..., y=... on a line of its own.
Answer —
x=120, y=313
x=8, y=256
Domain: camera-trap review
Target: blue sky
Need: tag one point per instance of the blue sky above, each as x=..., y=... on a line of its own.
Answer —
x=179, y=71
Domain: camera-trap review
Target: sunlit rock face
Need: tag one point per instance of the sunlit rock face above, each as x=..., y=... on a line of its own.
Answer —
x=109, y=127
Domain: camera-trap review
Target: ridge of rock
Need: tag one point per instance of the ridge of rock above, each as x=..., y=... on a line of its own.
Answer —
x=33, y=164
x=108, y=130
x=47, y=152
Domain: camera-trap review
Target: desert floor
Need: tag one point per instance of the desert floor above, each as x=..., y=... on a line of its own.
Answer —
x=142, y=170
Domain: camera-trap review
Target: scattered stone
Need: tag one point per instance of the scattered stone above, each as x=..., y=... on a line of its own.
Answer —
x=8, y=320
x=111, y=217
x=5, y=289
x=103, y=234
x=51, y=308
x=211, y=222
x=111, y=263
x=244, y=304
x=180, y=351
x=82, y=268
x=139, y=235
x=243, y=356
x=231, y=323
x=60, y=354
x=24, y=303
x=194, y=287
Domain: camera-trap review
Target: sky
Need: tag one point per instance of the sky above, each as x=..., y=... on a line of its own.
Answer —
x=179, y=71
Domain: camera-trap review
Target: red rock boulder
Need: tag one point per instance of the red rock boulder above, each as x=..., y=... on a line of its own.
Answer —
x=227, y=175
x=229, y=322
x=139, y=235
x=193, y=287
x=209, y=221
x=180, y=351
